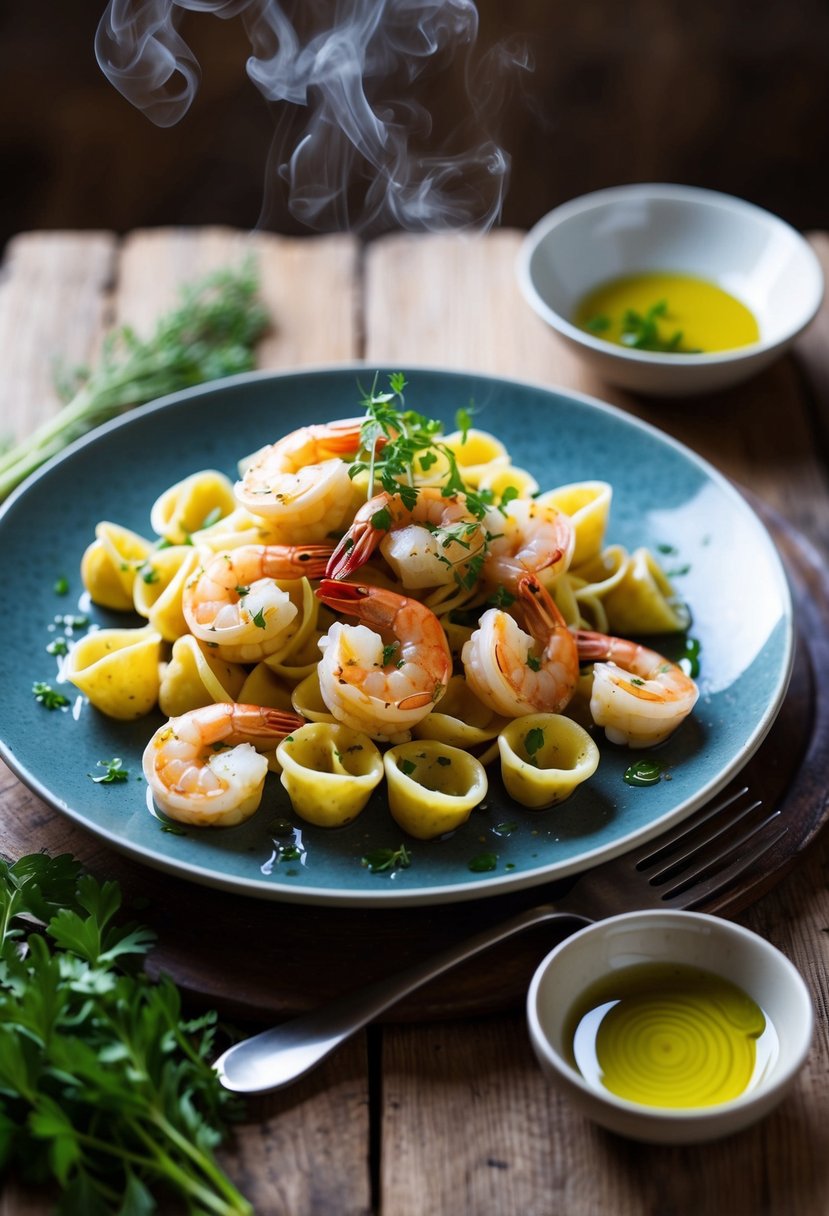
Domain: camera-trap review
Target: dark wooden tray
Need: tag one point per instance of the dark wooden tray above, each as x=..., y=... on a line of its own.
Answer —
x=260, y=960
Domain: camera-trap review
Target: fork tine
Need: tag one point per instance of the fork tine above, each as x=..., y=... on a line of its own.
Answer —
x=689, y=832
x=707, y=881
x=716, y=845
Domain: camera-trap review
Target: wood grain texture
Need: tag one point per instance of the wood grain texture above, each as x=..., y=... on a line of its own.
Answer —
x=54, y=308
x=454, y=1116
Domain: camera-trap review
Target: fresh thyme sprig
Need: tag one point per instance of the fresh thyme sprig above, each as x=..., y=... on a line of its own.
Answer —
x=211, y=334
x=400, y=445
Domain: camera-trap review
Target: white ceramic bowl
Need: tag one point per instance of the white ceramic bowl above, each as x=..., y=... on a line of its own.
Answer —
x=747, y=251
x=690, y=938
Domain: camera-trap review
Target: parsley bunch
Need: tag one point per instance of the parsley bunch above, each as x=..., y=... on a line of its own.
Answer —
x=211, y=334
x=103, y=1087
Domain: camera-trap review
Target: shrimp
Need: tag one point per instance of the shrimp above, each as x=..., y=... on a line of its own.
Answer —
x=638, y=696
x=301, y=482
x=204, y=766
x=433, y=542
x=233, y=602
x=527, y=537
x=517, y=673
x=384, y=676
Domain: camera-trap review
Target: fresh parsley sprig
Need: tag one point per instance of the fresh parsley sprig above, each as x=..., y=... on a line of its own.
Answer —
x=104, y=1086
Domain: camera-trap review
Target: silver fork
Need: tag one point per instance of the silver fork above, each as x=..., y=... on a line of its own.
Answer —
x=684, y=868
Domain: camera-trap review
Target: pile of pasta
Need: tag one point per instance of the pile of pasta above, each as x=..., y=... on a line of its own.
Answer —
x=435, y=773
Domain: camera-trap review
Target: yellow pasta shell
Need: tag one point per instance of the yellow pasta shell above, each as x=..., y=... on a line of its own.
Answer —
x=544, y=757
x=196, y=676
x=477, y=453
x=185, y=507
x=644, y=600
x=432, y=787
x=329, y=772
x=264, y=687
x=299, y=650
x=462, y=720
x=158, y=588
x=588, y=505
x=306, y=699
x=499, y=478
x=118, y=670
x=109, y=564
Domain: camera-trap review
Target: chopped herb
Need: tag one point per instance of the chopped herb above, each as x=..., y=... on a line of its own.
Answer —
x=242, y=591
x=533, y=663
x=380, y=861
x=58, y=646
x=149, y=574
x=463, y=421
x=640, y=331
x=502, y=598
x=48, y=697
x=115, y=772
x=533, y=742
x=389, y=652
x=636, y=680
x=407, y=767
x=679, y=571
x=259, y=620
x=61, y=586
x=598, y=324
x=444, y=760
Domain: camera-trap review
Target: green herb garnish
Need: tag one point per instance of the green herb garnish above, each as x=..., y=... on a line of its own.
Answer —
x=48, y=697
x=104, y=1087
x=211, y=334
x=533, y=742
x=115, y=772
x=61, y=586
x=380, y=861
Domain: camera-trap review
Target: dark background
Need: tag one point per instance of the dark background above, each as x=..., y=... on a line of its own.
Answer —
x=732, y=96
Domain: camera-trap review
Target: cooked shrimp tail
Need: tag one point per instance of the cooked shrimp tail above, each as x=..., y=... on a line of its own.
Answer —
x=386, y=673
x=638, y=695
x=428, y=541
x=516, y=672
x=204, y=767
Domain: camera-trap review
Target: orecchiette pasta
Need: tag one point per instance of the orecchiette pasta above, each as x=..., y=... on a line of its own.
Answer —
x=544, y=757
x=388, y=601
x=329, y=772
x=432, y=787
x=118, y=670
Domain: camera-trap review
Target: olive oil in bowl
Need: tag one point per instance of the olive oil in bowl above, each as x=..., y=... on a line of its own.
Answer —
x=667, y=313
x=671, y=1036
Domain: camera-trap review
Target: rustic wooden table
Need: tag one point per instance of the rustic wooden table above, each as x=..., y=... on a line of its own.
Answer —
x=417, y=1118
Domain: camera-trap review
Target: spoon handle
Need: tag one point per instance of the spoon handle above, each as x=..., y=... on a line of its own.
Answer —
x=274, y=1058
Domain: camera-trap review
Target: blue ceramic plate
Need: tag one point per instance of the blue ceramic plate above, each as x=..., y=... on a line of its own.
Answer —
x=664, y=497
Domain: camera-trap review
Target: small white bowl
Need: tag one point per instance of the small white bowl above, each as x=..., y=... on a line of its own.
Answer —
x=625, y=230
x=696, y=940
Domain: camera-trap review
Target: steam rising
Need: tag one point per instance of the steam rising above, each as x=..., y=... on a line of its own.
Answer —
x=353, y=147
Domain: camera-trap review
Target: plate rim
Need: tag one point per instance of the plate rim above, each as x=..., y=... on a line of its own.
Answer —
x=489, y=884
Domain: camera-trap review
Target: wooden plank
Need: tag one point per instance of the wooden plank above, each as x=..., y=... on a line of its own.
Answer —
x=308, y=286
x=305, y=1149
x=54, y=307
